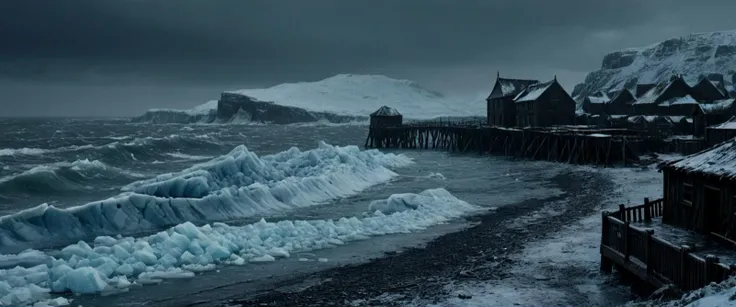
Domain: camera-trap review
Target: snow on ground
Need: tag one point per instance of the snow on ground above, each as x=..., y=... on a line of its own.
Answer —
x=552, y=271
x=112, y=264
x=236, y=185
x=361, y=95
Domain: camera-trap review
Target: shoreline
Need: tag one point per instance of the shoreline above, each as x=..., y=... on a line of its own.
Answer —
x=482, y=252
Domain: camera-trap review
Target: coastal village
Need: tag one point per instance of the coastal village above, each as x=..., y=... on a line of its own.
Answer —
x=529, y=119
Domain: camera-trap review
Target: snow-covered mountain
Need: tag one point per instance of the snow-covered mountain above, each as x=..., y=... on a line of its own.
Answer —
x=692, y=56
x=346, y=96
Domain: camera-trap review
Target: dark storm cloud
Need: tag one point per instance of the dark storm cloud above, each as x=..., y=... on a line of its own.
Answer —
x=251, y=42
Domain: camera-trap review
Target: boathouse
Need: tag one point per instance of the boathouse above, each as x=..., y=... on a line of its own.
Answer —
x=386, y=117
x=700, y=191
x=596, y=104
x=500, y=103
x=664, y=92
x=544, y=105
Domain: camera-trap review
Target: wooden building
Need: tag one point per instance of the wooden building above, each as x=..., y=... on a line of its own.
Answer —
x=705, y=90
x=649, y=102
x=543, y=105
x=678, y=106
x=711, y=114
x=700, y=191
x=386, y=117
x=596, y=104
x=500, y=103
x=720, y=133
x=642, y=89
x=621, y=103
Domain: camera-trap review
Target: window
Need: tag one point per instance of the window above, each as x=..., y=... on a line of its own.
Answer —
x=687, y=193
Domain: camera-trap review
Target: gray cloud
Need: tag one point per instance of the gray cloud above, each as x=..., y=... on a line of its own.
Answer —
x=454, y=46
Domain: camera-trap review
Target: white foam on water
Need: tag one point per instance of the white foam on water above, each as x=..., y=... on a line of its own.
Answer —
x=234, y=186
x=112, y=264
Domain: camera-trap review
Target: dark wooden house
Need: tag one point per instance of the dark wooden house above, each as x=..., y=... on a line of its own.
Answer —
x=649, y=102
x=543, y=105
x=621, y=103
x=596, y=103
x=711, y=114
x=720, y=133
x=386, y=116
x=700, y=191
x=500, y=103
x=678, y=106
x=706, y=90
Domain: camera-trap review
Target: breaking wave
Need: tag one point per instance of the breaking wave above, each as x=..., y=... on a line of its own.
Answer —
x=237, y=185
x=111, y=264
x=63, y=176
x=138, y=148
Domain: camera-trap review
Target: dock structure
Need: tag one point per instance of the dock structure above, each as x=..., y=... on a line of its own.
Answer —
x=649, y=262
x=567, y=144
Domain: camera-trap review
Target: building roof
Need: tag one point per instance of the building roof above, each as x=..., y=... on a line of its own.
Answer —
x=728, y=125
x=652, y=94
x=598, y=97
x=532, y=92
x=718, y=161
x=386, y=111
x=641, y=89
x=706, y=89
x=687, y=99
x=509, y=87
x=717, y=107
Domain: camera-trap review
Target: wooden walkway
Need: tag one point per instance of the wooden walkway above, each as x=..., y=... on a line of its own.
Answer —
x=561, y=144
x=639, y=253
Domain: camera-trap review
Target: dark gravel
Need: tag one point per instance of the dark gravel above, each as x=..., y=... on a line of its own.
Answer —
x=480, y=252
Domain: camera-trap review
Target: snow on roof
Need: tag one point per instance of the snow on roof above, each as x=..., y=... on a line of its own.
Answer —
x=596, y=99
x=676, y=119
x=532, y=92
x=511, y=87
x=599, y=135
x=719, y=161
x=386, y=111
x=618, y=116
x=728, y=125
x=687, y=99
x=651, y=95
x=718, y=106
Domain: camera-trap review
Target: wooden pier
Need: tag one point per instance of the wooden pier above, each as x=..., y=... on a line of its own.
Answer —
x=569, y=144
x=650, y=261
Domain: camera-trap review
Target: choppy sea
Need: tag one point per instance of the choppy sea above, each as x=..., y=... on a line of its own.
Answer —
x=69, y=180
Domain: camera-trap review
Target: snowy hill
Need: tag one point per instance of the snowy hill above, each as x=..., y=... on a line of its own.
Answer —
x=342, y=96
x=360, y=95
x=692, y=56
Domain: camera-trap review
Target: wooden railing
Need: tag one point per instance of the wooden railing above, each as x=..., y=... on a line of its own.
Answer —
x=640, y=213
x=654, y=259
x=446, y=123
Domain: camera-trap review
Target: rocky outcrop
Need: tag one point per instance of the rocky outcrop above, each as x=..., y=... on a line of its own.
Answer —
x=693, y=56
x=238, y=107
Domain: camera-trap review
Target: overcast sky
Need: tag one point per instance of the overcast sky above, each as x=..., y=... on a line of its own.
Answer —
x=118, y=57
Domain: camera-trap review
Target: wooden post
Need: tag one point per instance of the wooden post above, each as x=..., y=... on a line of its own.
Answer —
x=649, y=251
x=627, y=251
x=606, y=264
x=647, y=210
x=684, y=251
x=622, y=212
x=711, y=262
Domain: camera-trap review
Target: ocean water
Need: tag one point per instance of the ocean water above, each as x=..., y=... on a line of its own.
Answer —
x=72, y=162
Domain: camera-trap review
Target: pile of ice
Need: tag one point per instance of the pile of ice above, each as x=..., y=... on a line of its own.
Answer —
x=237, y=185
x=713, y=295
x=113, y=264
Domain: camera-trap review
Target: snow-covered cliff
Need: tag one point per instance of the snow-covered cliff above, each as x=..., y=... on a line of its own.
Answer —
x=692, y=56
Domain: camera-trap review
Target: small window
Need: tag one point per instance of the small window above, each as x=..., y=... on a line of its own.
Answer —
x=687, y=193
